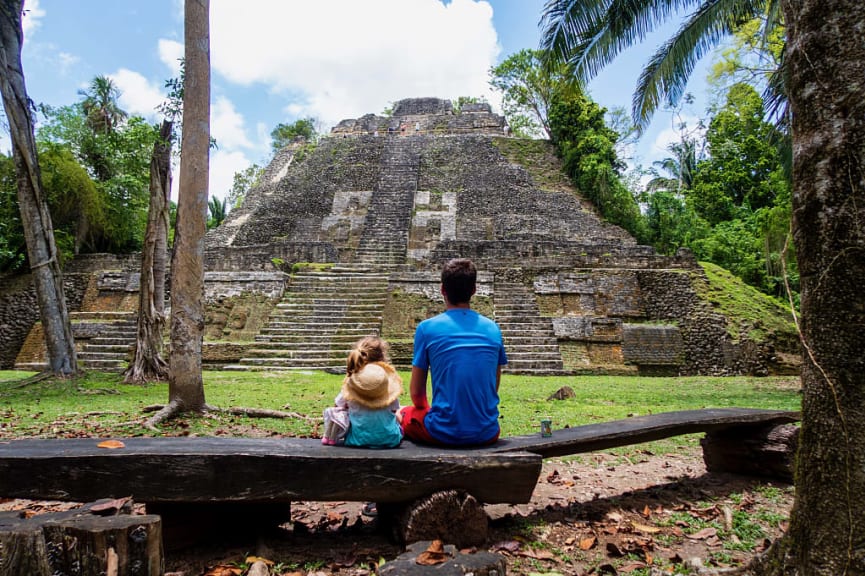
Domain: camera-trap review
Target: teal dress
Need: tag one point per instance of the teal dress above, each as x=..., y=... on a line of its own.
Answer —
x=376, y=428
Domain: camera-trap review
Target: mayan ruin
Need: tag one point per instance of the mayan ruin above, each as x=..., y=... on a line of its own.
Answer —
x=345, y=238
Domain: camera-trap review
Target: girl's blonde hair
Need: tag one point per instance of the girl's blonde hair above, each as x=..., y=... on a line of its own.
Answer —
x=366, y=350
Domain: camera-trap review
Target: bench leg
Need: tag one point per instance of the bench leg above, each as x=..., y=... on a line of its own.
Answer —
x=766, y=451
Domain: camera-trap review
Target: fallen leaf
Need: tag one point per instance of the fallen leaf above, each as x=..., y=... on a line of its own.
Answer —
x=645, y=529
x=111, y=444
x=224, y=570
x=703, y=534
x=507, y=546
x=434, y=554
x=647, y=511
x=254, y=559
x=588, y=543
x=632, y=566
x=614, y=516
x=536, y=554
x=110, y=507
x=613, y=550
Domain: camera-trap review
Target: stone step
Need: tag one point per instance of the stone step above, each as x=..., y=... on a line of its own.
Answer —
x=112, y=341
x=304, y=354
x=108, y=348
x=105, y=316
x=268, y=368
x=311, y=364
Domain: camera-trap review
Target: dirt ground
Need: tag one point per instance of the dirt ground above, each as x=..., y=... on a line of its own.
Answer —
x=606, y=514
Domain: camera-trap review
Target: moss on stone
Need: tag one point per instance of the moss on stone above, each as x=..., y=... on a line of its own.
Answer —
x=750, y=313
x=538, y=158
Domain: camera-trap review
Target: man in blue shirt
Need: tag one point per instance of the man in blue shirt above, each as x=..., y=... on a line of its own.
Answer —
x=464, y=352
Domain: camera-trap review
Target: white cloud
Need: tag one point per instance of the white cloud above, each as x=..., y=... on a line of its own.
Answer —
x=367, y=54
x=170, y=53
x=227, y=126
x=223, y=165
x=673, y=134
x=31, y=20
x=67, y=61
x=138, y=96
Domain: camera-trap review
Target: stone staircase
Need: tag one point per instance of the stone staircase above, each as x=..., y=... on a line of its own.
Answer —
x=110, y=349
x=320, y=317
x=384, y=241
x=530, y=341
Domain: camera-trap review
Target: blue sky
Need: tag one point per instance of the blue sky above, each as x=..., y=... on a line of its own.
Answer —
x=278, y=60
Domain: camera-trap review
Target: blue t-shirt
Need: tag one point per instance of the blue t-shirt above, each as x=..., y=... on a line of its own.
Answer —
x=462, y=350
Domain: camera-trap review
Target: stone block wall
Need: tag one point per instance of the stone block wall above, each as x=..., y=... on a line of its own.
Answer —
x=19, y=310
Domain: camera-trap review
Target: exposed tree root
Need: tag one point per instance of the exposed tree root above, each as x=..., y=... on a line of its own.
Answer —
x=167, y=412
x=172, y=409
x=264, y=413
x=28, y=381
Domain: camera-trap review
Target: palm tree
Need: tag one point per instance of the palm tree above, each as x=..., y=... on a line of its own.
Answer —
x=100, y=105
x=217, y=209
x=589, y=34
x=679, y=168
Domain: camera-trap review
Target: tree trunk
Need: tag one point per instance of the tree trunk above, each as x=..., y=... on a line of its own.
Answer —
x=35, y=218
x=148, y=364
x=826, y=89
x=186, y=388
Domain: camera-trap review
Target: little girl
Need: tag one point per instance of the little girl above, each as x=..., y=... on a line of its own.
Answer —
x=364, y=412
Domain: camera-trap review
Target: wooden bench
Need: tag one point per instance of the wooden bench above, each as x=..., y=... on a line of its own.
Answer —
x=192, y=474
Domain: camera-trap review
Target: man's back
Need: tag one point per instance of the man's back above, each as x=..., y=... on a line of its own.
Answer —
x=463, y=350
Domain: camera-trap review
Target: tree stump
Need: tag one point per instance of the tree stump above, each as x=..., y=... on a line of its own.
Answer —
x=80, y=542
x=766, y=451
x=453, y=516
x=459, y=564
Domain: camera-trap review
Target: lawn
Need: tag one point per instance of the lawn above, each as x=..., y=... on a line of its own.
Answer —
x=99, y=404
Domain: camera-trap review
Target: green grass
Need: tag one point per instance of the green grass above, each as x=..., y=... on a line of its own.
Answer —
x=746, y=307
x=99, y=404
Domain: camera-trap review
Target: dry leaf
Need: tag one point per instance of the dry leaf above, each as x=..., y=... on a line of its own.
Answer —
x=588, y=543
x=224, y=570
x=111, y=444
x=507, y=546
x=703, y=534
x=254, y=559
x=110, y=506
x=536, y=554
x=645, y=529
x=647, y=511
x=632, y=566
x=433, y=555
x=614, y=516
x=613, y=550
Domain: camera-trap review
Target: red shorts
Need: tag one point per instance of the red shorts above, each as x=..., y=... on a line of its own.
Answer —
x=414, y=429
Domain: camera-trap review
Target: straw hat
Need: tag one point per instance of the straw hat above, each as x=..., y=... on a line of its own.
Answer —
x=374, y=386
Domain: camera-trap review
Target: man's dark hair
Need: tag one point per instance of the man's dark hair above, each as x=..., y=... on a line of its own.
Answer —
x=459, y=277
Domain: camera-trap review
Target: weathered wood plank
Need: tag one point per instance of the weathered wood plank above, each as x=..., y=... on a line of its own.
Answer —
x=638, y=429
x=256, y=470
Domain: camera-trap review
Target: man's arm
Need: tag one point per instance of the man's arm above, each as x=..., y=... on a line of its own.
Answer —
x=417, y=387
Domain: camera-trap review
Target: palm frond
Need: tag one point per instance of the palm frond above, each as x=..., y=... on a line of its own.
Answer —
x=775, y=96
x=664, y=78
x=591, y=33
